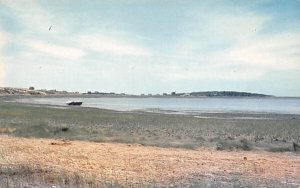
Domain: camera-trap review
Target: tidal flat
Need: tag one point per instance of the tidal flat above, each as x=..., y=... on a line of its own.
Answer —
x=214, y=130
x=231, y=133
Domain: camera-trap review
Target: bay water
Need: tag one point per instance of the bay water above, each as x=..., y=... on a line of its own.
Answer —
x=181, y=104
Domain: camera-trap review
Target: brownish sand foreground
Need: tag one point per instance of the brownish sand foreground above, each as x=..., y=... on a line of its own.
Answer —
x=136, y=163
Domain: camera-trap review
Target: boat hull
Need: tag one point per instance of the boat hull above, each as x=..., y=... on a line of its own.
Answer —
x=74, y=103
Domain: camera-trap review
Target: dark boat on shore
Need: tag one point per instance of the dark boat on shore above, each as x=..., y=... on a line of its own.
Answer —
x=74, y=103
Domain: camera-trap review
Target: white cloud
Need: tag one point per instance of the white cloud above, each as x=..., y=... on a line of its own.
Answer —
x=33, y=17
x=246, y=54
x=206, y=37
x=2, y=43
x=238, y=26
x=1, y=75
x=211, y=72
x=2, y=39
x=279, y=51
x=110, y=45
x=56, y=51
x=215, y=28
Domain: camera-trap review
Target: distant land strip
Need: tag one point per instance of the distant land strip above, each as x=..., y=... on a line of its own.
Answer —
x=33, y=91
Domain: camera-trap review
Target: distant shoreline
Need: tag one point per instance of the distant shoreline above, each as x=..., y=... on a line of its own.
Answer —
x=202, y=94
x=126, y=96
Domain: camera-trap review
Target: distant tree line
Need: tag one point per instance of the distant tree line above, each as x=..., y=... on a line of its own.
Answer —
x=221, y=94
x=227, y=94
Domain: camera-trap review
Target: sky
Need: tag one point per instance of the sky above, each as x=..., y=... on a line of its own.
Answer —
x=151, y=46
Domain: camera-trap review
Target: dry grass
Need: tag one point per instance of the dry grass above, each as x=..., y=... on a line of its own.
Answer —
x=7, y=130
x=130, y=164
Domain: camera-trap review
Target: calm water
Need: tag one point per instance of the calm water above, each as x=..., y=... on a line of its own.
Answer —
x=185, y=105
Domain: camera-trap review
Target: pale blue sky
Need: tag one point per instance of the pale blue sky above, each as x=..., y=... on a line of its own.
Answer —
x=153, y=46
